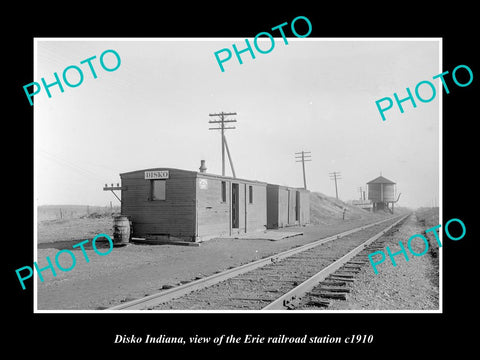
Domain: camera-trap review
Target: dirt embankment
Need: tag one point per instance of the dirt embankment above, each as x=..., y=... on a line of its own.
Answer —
x=325, y=209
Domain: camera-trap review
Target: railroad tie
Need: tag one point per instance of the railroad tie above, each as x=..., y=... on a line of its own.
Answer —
x=318, y=303
x=343, y=289
x=330, y=295
x=333, y=283
x=348, y=274
x=360, y=261
x=350, y=270
x=251, y=299
x=344, y=274
x=352, y=267
x=341, y=278
x=377, y=245
x=357, y=262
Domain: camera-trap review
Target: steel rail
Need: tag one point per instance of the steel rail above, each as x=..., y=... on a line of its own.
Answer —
x=285, y=301
x=179, y=291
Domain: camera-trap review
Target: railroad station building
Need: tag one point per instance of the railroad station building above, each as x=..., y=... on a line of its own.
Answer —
x=174, y=204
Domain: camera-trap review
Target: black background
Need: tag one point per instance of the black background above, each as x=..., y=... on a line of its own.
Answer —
x=402, y=334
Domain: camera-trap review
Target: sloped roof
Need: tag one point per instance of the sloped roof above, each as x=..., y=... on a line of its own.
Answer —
x=160, y=169
x=380, y=180
x=191, y=173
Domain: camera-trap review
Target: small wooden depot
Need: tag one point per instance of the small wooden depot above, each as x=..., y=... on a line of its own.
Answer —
x=174, y=204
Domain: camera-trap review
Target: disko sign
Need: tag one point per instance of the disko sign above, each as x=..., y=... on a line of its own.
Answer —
x=157, y=175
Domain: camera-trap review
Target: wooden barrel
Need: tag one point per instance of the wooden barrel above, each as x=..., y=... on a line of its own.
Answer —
x=121, y=230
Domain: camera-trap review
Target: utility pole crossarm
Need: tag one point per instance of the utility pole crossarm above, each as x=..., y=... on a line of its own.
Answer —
x=222, y=114
x=222, y=129
x=112, y=188
x=302, y=157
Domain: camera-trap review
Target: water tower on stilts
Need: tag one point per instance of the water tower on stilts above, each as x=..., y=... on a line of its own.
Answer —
x=381, y=192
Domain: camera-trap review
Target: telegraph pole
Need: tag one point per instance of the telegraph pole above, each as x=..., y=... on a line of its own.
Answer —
x=302, y=157
x=221, y=121
x=334, y=176
x=361, y=193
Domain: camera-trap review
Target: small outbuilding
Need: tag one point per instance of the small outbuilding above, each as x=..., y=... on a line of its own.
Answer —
x=287, y=206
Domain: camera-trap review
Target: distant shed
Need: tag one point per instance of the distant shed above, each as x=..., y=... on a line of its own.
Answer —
x=193, y=206
x=287, y=206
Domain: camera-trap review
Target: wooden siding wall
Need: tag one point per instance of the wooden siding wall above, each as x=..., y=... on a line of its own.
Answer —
x=304, y=207
x=242, y=196
x=174, y=216
x=292, y=206
x=256, y=213
x=272, y=207
x=388, y=192
x=282, y=207
x=375, y=192
x=213, y=215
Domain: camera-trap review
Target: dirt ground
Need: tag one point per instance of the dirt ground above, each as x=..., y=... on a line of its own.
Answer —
x=135, y=271
x=50, y=231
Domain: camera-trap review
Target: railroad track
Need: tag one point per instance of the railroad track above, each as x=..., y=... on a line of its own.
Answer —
x=277, y=282
x=332, y=282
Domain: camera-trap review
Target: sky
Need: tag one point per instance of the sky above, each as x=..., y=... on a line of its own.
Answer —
x=313, y=94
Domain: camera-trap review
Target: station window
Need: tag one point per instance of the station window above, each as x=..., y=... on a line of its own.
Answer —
x=224, y=191
x=250, y=194
x=157, y=189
